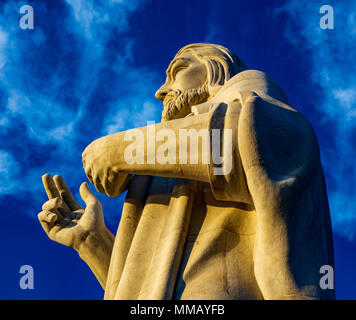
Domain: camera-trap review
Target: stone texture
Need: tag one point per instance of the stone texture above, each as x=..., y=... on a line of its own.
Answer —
x=259, y=231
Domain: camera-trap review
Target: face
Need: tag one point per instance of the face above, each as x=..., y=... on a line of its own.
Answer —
x=185, y=86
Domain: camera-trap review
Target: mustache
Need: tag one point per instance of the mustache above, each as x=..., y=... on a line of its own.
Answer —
x=177, y=104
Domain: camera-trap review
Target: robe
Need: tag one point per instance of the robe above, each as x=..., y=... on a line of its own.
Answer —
x=261, y=230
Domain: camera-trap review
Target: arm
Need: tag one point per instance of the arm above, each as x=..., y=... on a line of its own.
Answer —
x=109, y=160
x=65, y=222
x=281, y=160
x=96, y=252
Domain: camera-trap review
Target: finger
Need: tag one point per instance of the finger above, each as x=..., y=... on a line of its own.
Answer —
x=48, y=216
x=87, y=168
x=88, y=174
x=115, y=184
x=97, y=184
x=99, y=187
x=86, y=194
x=112, y=184
x=108, y=184
x=50, y=186
x=65, y=193
x=47, y=220
x=56, y=205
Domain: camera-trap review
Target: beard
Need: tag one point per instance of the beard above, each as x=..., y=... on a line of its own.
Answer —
x=178, y=104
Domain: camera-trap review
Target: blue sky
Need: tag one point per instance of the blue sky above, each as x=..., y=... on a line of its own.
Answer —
x=91, y=67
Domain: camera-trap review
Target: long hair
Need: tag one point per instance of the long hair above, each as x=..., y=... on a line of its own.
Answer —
x=221, y=63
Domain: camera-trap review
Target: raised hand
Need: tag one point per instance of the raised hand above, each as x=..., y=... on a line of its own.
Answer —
x=63, y=219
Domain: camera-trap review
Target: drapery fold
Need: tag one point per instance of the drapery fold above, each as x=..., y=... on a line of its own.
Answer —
x=276, y=172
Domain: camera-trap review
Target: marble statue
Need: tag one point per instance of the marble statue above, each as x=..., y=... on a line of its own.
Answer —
x=241, y=214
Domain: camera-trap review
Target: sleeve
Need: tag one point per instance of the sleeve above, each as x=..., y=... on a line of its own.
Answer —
x=276, y=166
x=281, y=160
x=226, y=175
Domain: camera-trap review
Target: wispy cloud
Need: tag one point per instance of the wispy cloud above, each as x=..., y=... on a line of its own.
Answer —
x=9, y=168
x=70, y=80
x=332, y=55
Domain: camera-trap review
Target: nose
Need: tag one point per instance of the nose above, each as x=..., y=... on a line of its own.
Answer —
x=161, y=92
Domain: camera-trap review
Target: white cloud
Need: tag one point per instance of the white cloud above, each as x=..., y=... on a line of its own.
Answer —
x=3, y=42
x=333, y=69
x=9, y=169
x=51, y=90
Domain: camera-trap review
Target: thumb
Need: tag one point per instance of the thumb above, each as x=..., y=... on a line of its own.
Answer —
x=86, y=194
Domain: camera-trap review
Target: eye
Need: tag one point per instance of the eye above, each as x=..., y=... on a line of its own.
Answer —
x=177, y=70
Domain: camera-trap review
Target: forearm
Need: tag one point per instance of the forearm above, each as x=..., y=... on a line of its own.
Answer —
x=178, y=148
x=96, y=252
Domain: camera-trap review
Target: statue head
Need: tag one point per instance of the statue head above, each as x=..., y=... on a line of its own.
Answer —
x=196, y=74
